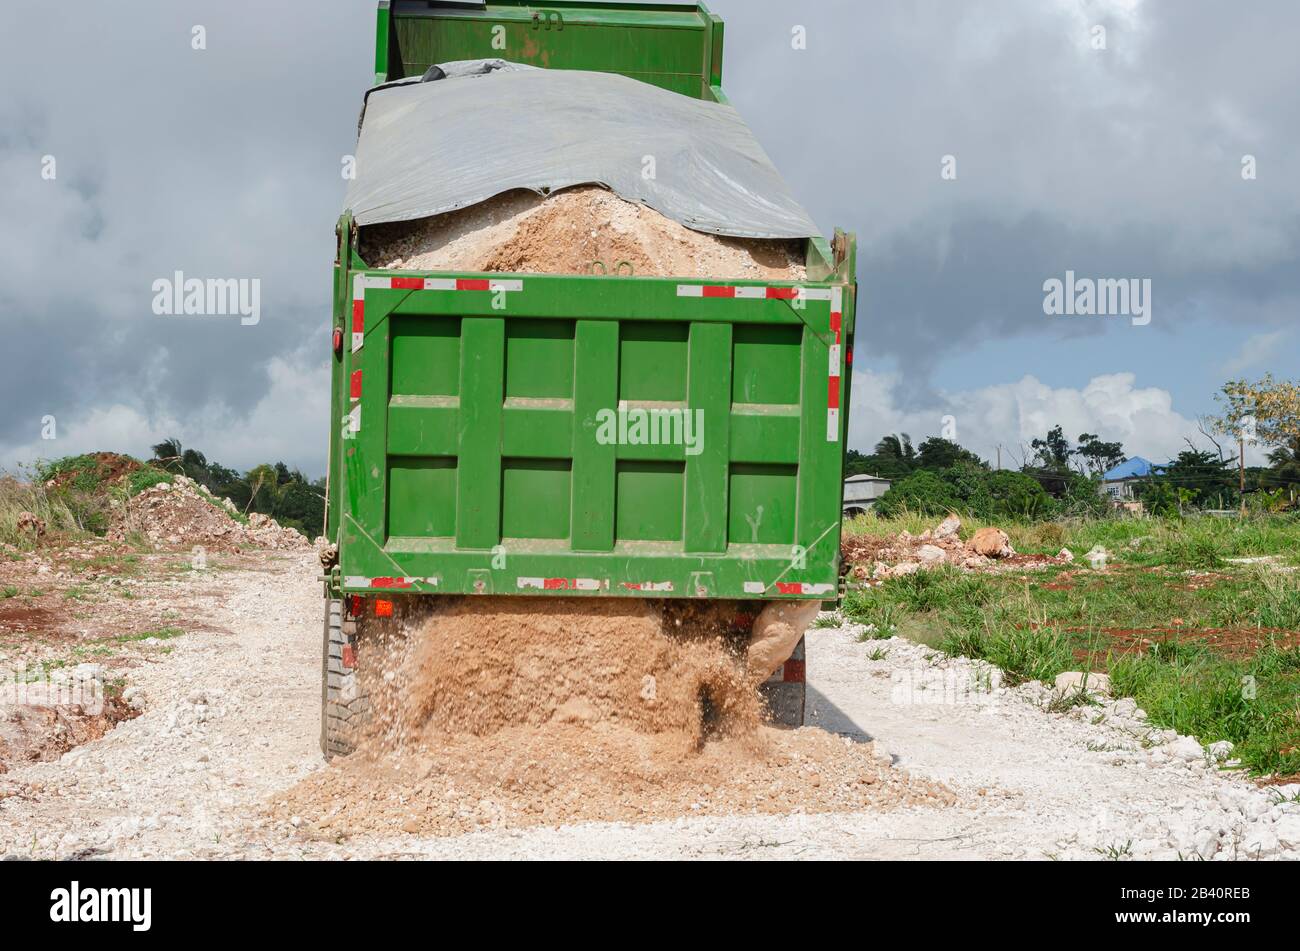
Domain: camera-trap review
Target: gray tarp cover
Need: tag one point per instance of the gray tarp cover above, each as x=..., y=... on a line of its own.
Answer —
x=490, y=126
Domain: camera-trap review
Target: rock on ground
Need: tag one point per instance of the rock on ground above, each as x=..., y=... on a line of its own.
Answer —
x=991, y=543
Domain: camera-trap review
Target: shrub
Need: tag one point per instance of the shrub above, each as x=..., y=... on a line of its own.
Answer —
x=971, y=490
x=922, y=492
x=1015, y=494
x=147, y=478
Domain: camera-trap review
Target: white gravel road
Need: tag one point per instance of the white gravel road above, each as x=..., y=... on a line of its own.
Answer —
x=231, y=717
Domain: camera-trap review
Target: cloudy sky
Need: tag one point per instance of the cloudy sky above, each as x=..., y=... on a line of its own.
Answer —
x=1122, y=162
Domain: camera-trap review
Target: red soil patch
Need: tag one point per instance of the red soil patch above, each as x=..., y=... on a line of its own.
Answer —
x=863, y=549
x=20, y=616
x=108, y=467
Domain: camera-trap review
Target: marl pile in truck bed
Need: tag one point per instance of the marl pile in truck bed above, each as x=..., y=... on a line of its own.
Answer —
x=565, y=232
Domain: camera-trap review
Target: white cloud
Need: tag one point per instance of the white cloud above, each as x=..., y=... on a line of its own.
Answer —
x=1112, y=406
x=288, y=424
x=1257, y=349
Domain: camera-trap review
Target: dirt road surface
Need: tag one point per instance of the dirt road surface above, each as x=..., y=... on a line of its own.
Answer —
x=231, y=718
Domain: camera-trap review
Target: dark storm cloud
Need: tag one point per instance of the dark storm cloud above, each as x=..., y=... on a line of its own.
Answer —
x=1120, y=163
x=220, y=163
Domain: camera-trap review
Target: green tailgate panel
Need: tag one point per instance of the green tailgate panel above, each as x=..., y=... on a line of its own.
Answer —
x=533, y=434
x=674, y=46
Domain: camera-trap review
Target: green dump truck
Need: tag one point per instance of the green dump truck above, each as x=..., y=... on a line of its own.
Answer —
x=466, y=408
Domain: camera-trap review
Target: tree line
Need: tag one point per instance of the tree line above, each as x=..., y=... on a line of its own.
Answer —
x=1056, y=476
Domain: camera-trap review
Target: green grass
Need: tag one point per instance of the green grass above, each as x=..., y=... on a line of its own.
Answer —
x=939, y=589
x=100, y=651
x=115, y=564
x=147, y=478
x=162, y=634
x=1024, y=651
x=914, y=606
x=1116, y=851
x=17, y=497
x=1278, y=601
x=81, y=472
x=1255, y=703
x=1167, y=580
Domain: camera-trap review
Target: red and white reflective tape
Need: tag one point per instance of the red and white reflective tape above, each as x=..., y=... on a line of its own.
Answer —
x=363, y=281
x=648, y=585
x=789, y=587
x=465, y=284
x=561, y=584
x=803, y=587
x=753, y=293
x=359, y=284
x=356, y=385
x=833, y=384
x=356, y=581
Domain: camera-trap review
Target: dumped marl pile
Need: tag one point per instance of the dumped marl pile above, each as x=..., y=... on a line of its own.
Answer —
x=513, y=712
x=482, y=666
x=31, y=733
x=875, y=558
x=185, y=513
x=522, y=232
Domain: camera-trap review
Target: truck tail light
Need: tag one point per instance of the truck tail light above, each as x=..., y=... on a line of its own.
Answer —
x=383, y=608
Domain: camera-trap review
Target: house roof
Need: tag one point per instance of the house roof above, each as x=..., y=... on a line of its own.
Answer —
x=1134, y=468
x=864, y=477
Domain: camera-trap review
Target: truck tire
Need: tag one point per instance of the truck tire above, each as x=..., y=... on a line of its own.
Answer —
x=343, y=706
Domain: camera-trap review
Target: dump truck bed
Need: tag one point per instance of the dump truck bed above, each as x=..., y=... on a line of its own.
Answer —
x=588, y=434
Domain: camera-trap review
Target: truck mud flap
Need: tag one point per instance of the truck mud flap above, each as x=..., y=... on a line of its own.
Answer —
x=785, y=691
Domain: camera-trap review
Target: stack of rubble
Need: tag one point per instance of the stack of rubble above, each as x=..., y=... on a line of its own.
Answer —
x=876, y=559
x=186, y=513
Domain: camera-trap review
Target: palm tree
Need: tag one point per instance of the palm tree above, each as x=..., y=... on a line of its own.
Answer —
x=169, y=453
x=896, y=447
x=265, y=480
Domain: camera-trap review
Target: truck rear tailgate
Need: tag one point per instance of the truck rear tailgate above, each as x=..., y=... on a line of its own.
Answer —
x=528, y=434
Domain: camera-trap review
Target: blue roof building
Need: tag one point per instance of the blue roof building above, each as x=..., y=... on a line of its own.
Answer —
x=1118, y=482
x=1135, y=468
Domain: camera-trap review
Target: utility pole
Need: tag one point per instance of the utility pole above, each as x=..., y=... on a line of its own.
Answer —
x=1241, y=469
x=999, y=457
